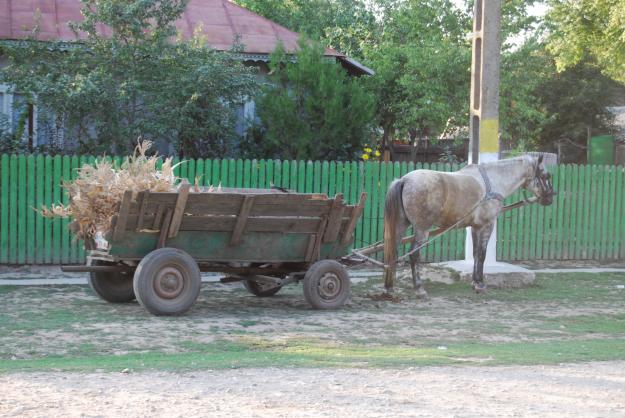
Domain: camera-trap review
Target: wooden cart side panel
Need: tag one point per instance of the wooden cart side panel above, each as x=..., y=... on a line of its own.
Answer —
x=179, y=209
x=229, y=204
x=227, y=223
x=334, y=219
x=264, y=247
x=122, y=216
x=348, y=232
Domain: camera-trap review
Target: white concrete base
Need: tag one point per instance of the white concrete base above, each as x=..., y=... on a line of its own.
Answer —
x=496, y=275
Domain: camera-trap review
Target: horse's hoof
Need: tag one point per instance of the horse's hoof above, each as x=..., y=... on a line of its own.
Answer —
x=479, y=287
x=421, y=294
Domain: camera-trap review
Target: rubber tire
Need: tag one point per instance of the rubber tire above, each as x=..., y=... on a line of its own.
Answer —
x=254, y=288
x=147, y=271
x=312, y=280
x=112, y=287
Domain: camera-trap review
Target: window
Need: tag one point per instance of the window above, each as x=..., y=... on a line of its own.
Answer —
x=18, y=116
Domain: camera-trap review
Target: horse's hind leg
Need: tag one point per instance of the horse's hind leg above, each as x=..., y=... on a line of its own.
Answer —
x=420, y=239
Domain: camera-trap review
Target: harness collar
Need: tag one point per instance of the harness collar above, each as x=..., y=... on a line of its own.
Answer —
x=490, y=195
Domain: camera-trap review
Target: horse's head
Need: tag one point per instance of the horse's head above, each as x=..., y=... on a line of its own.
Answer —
x=540, y=183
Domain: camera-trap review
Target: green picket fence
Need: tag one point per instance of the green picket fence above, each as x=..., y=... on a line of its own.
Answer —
x=585, y=221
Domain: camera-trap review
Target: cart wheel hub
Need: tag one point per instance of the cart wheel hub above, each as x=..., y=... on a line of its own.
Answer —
x=169, y=283
x=329, y=286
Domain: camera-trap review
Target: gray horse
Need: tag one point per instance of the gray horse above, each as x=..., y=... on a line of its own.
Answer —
x=472, y=196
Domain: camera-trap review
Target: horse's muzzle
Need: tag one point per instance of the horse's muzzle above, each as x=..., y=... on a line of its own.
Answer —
x=547, y=198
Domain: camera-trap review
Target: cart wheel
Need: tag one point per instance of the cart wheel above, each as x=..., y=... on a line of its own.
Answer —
x=326, y=285
x=167, y=282
x=260, y=289
x=114, y=287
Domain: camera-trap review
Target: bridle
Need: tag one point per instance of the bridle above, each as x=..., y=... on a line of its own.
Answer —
x=543, y=179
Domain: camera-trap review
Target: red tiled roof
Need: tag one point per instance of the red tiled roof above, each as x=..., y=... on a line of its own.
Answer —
x=220, y=20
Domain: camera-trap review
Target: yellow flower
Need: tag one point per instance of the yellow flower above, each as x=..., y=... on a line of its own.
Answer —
x=367, y=149
x=377, y=153
x=365, y=156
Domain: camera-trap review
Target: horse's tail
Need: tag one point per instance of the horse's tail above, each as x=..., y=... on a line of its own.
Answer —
x=393, y=213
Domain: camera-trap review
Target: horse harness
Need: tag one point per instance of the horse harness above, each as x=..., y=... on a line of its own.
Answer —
x=490, y=194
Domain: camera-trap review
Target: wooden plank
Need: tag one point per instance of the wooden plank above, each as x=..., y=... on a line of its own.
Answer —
x=162, y=237
x=622, y=212
x=39, y=199
x=619, y=216
x=269, y=176
x=215, y=173
x=334, y=220
x=21, y=209
x=4, y=208
x=598, y=213
x=47, y=222
x=247, y=173
x=122, y=217
x=574, y=200
x=142, y=203
x=358, y=174
x=332, y=179
x=348, y=232
x=239, y=173
x=199, y=172
x=13, y=209
x=310, y=249
x=588, y=174
x=224, y=179
x=30, y=213
x=375, y=201
x=319, y=238
x=262, y=174
x=181, y=203
x=158, y=216
x=325, y=178
x=254, y=174
x=611, y=236
x=293, y=180
x=579, y=212
x=277, y=173
x=73, y=243
x=317, y=177
x=232, y=173
x=239, y=227
x=56, y=197
x=66, y=239
x=208, y=170
x=254, y=224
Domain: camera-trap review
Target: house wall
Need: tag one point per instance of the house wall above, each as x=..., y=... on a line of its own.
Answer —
x=48, y=129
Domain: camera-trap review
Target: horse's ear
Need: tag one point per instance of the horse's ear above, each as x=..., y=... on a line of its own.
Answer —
x=540, y=159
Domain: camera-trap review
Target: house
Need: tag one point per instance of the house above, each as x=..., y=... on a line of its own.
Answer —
x=221, y=22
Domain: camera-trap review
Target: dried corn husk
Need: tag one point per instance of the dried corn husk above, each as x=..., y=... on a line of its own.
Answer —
x=95, y=195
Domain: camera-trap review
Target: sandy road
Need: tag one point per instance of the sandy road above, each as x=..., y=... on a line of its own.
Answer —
x=592, y=389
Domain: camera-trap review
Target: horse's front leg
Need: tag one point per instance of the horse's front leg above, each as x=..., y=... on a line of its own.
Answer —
x=420, y=239
x=480, y=243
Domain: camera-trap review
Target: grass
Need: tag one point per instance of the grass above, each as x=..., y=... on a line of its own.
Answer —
x=225, y=355
x=562, y=318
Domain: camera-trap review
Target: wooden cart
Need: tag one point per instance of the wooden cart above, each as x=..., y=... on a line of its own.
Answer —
x=160, y=242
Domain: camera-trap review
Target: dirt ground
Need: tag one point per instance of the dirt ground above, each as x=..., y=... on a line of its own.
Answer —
x=44, y=321
x=589, y=390
x=558, y=313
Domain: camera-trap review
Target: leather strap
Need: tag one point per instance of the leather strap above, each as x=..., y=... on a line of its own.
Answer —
x=489, y=190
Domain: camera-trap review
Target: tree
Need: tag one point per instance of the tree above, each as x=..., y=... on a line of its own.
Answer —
x=345, y=25
x=312, y=109
x=422, y=62
x=139, y=81
x=589, y=29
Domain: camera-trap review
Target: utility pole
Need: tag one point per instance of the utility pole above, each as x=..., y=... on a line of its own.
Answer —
x=484, y=106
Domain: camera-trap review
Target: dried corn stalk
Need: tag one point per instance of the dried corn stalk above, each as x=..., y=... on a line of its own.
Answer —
x=96, y=193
